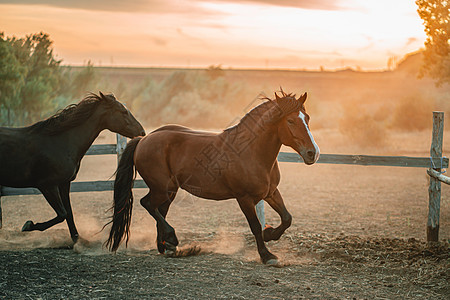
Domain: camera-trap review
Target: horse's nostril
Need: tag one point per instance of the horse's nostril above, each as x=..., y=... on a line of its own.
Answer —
x=310, y=154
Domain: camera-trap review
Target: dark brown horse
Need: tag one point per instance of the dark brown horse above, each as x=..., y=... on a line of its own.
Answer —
x=47, y=155
x=241, y=162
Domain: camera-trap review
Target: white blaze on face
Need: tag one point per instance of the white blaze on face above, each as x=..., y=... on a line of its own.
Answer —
x=316, y=148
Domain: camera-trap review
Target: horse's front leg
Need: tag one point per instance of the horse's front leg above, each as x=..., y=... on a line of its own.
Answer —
x=247, y=205
x=64, y=190
x=276, y=202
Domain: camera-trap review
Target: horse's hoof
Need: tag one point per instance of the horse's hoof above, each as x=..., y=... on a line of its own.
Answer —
x=171, y=250
x=161, y=248
x=170, y=253
x=170, y=246
x=27, y=226
x=75, y=238
x=273, y=262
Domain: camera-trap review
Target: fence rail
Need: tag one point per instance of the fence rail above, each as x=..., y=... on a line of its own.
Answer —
x=371, y=160
x=434, y=163
x=361, y=160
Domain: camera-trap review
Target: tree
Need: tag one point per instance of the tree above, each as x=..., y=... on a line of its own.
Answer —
x=30, y=77
x=435, y=15
x=11, y=80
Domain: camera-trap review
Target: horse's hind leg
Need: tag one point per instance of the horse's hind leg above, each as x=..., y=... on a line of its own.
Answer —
x=163, y=209
x=157, y=204
x=53, y=198
x=64, y=190
x=276, y=202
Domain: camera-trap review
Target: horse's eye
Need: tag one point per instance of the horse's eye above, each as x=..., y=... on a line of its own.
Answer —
x=290, y=121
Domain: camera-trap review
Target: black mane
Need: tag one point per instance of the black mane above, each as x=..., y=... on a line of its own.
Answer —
x=71, y=116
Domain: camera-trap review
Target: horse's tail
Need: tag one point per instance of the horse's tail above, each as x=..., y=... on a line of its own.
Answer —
x=123, y=197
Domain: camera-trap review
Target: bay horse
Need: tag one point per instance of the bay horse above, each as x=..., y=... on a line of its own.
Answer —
x=47, y=154
x=240, y=162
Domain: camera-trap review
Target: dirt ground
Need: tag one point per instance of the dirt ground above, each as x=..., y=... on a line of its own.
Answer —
x=357, y=233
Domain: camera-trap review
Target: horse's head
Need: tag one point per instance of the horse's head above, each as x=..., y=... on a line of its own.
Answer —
x=293, y=129
x=119, y=119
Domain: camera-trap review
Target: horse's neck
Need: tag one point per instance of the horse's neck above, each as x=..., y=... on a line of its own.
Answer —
x=267, y=145
x=81, y=137
x=257, y=140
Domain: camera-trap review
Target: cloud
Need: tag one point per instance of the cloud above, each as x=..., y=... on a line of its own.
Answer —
x=170, y=6
x=304, y=4
x=143, y=6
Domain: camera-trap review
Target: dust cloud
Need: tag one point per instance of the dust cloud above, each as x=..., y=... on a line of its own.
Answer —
x=90, y=241
x=142, y=238
x=224, y=242
x=16, y=240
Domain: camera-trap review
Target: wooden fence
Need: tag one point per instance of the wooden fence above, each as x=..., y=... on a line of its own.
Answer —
x=434, y=163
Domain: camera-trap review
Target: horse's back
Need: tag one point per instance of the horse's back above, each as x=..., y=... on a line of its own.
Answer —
x=164, y=142
x=177, y=140
x=14, y=161
x=30, y=159
x=183, y=129
x=12, y=140
x=172, y=156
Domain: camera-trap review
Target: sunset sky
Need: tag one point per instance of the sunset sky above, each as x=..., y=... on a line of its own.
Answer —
x=302, y=34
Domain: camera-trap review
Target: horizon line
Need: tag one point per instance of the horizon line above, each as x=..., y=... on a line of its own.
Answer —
x=319, y=70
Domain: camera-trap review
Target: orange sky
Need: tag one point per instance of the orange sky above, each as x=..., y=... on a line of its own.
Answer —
x=292, y=34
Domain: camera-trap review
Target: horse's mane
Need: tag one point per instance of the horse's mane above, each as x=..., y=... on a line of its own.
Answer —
x=275, y=109
x=287, y=103
x=71, y=116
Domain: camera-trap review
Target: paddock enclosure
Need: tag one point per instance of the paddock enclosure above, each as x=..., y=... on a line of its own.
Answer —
x=358, y=232
x=435, y=163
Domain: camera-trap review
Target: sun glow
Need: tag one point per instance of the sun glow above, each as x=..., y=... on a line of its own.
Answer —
x=231, y=33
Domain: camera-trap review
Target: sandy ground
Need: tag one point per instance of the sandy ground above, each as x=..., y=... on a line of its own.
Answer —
x=357, y=233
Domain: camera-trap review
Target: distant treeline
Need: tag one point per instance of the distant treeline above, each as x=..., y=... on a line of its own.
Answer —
x=33, y=84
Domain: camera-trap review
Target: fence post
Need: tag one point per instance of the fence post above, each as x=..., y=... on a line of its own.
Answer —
x=260, y=213
x=120, y=147
x=434, y=190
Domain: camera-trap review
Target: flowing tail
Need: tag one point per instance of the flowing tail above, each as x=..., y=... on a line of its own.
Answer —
x=123, y=197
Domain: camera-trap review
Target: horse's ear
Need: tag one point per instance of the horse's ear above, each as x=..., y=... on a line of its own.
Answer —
x=302, y=98
x=108, y=97
x=276, y=96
